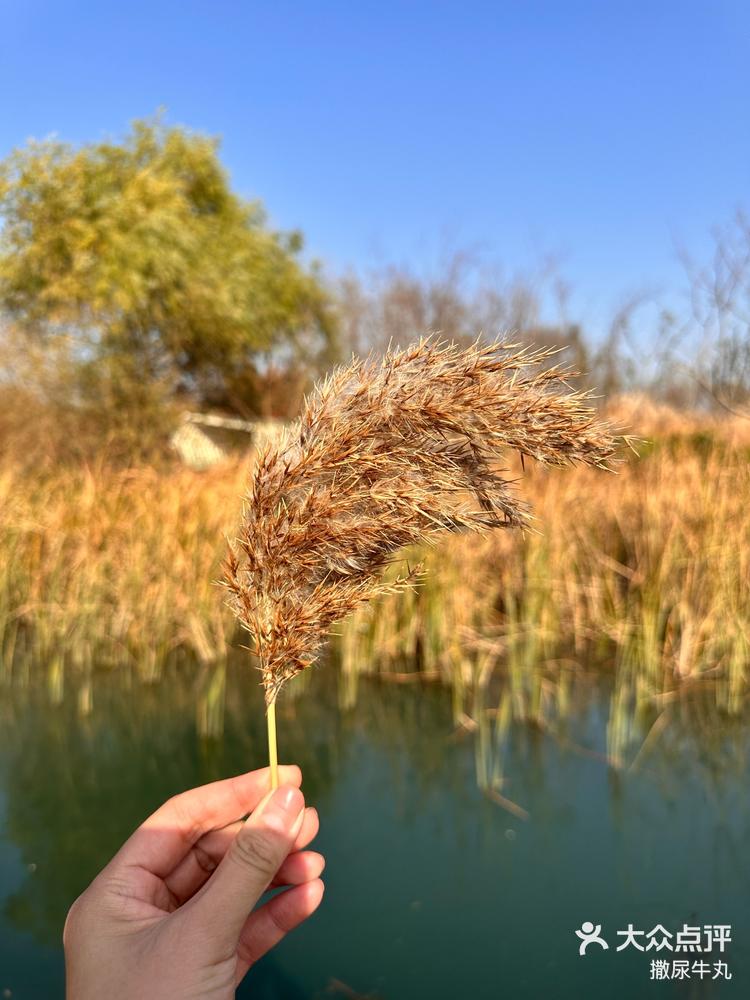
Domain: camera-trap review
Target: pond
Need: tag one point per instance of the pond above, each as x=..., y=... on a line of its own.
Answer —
x=442, y=881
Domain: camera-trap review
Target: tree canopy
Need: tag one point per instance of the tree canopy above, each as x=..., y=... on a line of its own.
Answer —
x=140, y=256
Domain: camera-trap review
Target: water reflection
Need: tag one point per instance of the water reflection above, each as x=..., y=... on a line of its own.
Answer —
x=512, y=826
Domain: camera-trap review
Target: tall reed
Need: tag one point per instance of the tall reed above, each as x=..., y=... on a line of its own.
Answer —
x=645, y=573
x=389, y=453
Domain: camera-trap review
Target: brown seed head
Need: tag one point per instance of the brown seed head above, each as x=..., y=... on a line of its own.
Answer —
x=388, y=453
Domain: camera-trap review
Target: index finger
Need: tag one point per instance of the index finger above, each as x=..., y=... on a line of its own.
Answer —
x=169, y=833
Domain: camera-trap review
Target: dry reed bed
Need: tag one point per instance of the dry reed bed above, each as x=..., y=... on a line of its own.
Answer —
x=103, y=567
x=646, y=571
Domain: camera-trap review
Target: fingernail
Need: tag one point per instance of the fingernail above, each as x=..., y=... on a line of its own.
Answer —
x=284, y=806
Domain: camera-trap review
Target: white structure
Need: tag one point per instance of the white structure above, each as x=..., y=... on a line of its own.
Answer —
x=203, y=439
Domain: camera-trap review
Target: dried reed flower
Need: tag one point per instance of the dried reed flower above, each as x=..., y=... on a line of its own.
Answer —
x=389, y=453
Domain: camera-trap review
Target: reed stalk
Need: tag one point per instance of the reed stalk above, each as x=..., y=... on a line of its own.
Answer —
x=387, y=454
x=273, y=756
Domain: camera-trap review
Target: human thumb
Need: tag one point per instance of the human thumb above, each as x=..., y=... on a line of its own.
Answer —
x=248, y=867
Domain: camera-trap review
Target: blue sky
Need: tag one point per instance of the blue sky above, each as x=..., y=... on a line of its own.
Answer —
x=604, y=133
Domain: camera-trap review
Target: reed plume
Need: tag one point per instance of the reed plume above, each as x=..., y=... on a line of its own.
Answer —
x=389, y=453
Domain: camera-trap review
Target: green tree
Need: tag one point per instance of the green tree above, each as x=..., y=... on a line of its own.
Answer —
x=157, y=278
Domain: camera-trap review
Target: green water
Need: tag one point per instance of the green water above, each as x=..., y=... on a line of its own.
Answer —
x=434, y=890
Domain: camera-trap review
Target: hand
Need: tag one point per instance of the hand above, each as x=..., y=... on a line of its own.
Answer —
x=169, y=917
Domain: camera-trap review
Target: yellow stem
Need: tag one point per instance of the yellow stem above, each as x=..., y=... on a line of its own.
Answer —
x=273, y=758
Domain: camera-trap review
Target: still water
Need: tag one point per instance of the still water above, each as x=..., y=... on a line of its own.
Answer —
x=433, y=888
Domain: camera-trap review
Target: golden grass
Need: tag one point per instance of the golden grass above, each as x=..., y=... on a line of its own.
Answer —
x=101, y=567
x=651, y=567
x=646, y=573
